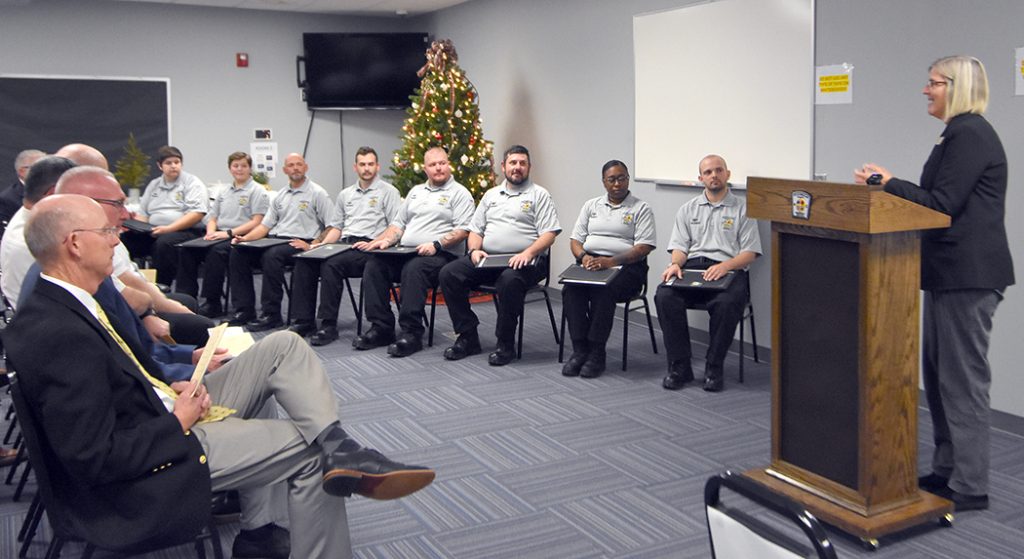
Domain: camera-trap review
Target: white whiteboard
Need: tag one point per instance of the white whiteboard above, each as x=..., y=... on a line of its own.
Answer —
x=732, y=77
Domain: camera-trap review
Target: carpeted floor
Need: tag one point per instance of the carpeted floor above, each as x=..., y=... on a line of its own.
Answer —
x=533, y=464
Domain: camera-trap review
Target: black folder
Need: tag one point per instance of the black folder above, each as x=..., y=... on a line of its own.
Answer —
x=201, y=243
x=579, y=274
x=694, y=279
x=265, y=242
x=499, y=261
x=138, y=226
x=397, y=249
x=323, y=252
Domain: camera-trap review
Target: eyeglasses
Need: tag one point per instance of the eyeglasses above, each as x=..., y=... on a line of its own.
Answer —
x=617, y=179
x=119, y=204
x=932, y=84
x=107, y=231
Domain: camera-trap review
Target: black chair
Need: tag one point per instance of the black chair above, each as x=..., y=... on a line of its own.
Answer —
x=639, y=296
x=540, y=287
x=428, y=322
x=734, y=533
x=748, y=315
x=48, y=502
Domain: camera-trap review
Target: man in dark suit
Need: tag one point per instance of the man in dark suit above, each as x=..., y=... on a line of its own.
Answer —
x=133, y=460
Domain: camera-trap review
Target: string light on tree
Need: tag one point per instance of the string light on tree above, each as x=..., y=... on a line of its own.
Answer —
x=444, y=112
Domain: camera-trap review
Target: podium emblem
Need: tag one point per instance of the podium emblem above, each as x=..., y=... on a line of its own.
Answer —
x=801, y=204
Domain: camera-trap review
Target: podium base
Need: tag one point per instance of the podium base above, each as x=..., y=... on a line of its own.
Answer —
x=867, y=528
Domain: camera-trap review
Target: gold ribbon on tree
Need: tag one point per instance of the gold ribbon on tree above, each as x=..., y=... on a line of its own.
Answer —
x=438, y=55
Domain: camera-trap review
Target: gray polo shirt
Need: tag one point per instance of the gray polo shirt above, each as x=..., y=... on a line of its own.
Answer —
x=164, y=203
x=299, y=213
x=607, y=230
x=366, y=213
x=430, y=213
x=237, y=204
x=716, y=231
x=510, y=218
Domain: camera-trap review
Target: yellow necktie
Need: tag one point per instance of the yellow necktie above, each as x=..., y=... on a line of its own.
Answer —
x=215, y=413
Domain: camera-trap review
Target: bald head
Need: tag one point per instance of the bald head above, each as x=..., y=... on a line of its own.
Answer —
x=83, y=154
x=295, y=167
x=53, y=219
x=101, y=186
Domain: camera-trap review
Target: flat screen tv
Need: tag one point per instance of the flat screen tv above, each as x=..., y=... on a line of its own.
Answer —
x=361, y=70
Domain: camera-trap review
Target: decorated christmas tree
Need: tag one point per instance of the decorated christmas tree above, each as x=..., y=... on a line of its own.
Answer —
x=132, y=170
x=444, y=113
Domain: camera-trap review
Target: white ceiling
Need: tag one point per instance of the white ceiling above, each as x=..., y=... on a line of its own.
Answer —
x=355, y=7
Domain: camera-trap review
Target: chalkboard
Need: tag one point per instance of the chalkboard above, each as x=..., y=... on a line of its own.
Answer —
x=733, y=77
x=47, y=112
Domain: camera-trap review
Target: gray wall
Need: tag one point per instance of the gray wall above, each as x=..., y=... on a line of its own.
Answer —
x=887, y=122
x=558, y=77
x=214, y=106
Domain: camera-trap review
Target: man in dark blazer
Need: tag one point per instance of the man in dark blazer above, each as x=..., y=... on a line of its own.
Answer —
x=10, y=197
x=134, y=462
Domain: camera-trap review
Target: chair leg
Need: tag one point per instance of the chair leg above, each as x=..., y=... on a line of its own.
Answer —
x=625, y=334
x=357, y=309
x=218, y=553
x=14, y=467
x=753, y=332
x=22, y=481
x=551, y=317
x=650, y=325
x=561, y=337
x=741, y=350
x=29, y=528
x=53, y=552
x=10, y=429
x=37, y=502
x=359, y=313
x=433, y=310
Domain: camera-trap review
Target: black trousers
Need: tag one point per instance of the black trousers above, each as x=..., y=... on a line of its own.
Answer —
x=417, y=275
x=725, y=308
x=274, y=261
x=188, y=328
x=590, y=309
x=162, y=249
x=332, y=273
x=460, y=276
x=214, y=272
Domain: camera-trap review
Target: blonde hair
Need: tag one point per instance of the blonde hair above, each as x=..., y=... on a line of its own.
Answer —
x=967, y=91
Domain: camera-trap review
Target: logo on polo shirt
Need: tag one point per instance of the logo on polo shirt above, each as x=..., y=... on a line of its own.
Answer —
x=727, y=223
x=627, y=219
x=372, y=202
x=526, y=206
x=442, y=200
x=303, y=205
x=178, y=196
x=243, y=200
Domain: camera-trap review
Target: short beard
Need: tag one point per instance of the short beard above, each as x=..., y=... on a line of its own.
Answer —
x=521, y=181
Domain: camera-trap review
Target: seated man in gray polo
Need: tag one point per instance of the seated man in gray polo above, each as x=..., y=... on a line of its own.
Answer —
x=361, y=213
x=298, y=213
x=174, y=203
x=516, y=217
x=711, y=233
x=435, y=220
x=238, y=209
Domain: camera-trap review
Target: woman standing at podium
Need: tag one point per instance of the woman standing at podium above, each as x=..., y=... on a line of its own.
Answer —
x=964, y=271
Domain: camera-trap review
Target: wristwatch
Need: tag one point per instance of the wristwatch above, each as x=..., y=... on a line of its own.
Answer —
x=231, y=234
x=147, y=312
x=437, y=246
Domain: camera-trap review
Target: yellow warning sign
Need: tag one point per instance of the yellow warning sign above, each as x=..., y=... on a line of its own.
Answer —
x=837, y=83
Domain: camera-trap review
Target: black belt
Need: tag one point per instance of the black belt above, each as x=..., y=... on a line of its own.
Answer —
x=353, y=239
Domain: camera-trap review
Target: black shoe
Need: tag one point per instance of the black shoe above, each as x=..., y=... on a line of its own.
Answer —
x=302, y=328
x=594, y=365
x=502, y=355
x=679, y=373
x=467, y=344
x=574, y=364
x=714, y=384
x=963, y=502
x=211, y=310
x=933, y=482
x=265, y=322
x=371, y=474
x=374, y=337
x=270, y=541
x=324, y=336
x=406, y=345
x=225, y=506
x=241, y=318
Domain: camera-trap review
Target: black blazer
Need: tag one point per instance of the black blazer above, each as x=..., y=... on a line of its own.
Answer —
x=126, y=473
x=965, y=177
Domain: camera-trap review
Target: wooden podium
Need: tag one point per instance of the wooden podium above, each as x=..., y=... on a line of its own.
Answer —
x=845, y=330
